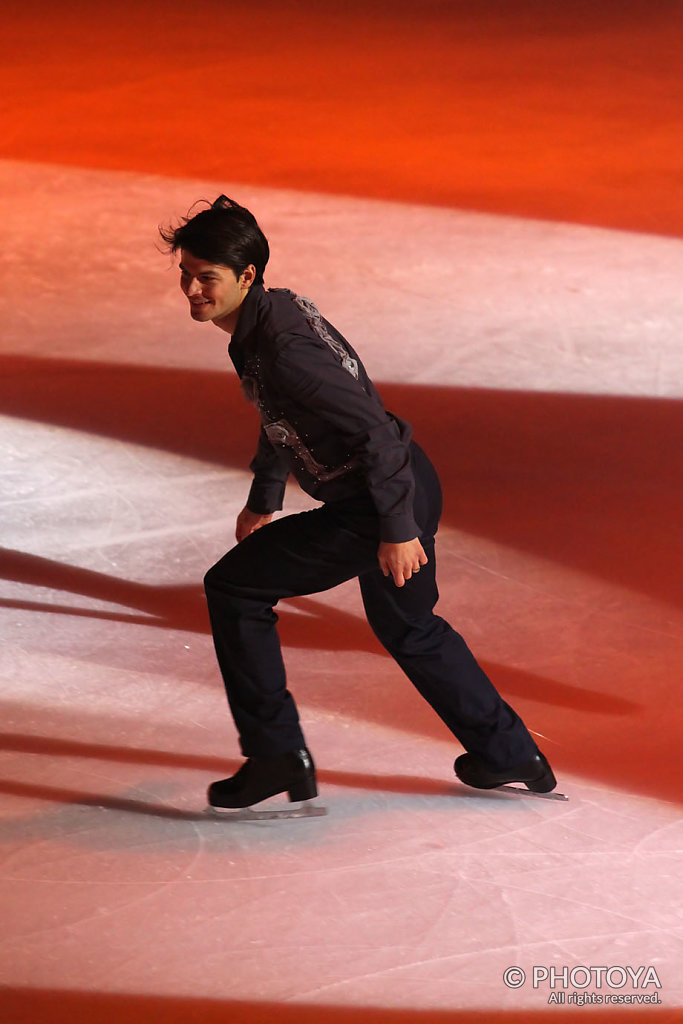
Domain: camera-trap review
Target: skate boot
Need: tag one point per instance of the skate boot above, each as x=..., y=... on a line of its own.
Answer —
x=262, y=777
x=536, y=774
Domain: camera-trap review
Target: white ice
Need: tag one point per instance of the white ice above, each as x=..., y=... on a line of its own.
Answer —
x=413, y=892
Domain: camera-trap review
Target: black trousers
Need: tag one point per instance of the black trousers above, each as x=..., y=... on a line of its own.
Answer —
x=314, y=551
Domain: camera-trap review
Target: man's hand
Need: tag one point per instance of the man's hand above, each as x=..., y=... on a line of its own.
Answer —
x=248, y=521
x=401, y=560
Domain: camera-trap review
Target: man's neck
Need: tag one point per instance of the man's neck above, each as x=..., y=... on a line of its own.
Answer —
x=229, y=323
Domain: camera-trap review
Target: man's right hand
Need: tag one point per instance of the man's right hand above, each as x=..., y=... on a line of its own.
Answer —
x=248, y=521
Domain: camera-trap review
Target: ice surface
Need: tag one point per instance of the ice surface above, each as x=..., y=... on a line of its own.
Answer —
x=544, y=387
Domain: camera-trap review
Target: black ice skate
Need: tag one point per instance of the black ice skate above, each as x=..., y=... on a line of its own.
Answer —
x=536, y=774
x=262, y=777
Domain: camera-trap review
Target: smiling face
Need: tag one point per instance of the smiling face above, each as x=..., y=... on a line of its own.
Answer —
x=214, y=291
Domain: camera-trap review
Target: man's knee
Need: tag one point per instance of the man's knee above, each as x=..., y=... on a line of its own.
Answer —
x=211, y=578
x=390, y=631
x=219, y=578
x=410, y=636
x=230, y=592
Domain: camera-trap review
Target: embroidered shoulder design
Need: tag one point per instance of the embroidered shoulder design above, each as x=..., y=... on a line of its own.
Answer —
x=315, y=321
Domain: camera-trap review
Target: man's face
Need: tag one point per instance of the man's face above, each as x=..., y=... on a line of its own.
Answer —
x=214, y=292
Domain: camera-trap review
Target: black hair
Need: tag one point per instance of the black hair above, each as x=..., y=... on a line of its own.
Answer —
x=226, y=234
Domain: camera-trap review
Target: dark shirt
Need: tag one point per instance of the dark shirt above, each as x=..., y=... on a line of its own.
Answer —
x=322, y=419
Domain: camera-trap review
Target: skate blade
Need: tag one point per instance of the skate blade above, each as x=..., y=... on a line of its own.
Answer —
x=266, y=813
x=529, y=792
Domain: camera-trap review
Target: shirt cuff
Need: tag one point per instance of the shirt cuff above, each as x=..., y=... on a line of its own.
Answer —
x=266, y=496
x=398, y=529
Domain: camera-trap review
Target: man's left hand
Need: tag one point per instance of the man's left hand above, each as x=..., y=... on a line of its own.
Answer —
x=401, y=560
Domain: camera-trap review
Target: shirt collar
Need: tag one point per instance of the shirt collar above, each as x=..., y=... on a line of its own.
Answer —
x=248, y=318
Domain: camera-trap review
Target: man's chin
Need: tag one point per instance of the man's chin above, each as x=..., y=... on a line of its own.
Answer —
x=201, y=313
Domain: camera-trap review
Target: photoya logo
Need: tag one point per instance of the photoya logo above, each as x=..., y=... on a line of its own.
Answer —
x=609, y=981
x=583, y=977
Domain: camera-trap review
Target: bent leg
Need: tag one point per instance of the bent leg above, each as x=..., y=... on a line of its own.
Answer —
x=299, y=554
x=440, y=665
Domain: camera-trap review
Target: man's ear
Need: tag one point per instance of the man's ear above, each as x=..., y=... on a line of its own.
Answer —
x=248, y=276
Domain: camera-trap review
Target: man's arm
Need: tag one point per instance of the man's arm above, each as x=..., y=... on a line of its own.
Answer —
x=325, y=389
x=270, y=470
x=314, y=379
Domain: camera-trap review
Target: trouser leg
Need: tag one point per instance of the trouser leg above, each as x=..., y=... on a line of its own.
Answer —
x=440, y=665
x=296, y=555
x=432, y=654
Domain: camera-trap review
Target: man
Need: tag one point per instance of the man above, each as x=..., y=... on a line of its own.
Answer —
x=323, y=421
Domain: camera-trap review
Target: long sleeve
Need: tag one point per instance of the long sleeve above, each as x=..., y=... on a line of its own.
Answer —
x=331, y=403
x=270, y=477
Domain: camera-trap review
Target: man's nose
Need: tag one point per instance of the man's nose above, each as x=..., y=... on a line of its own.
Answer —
x=193, y=287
